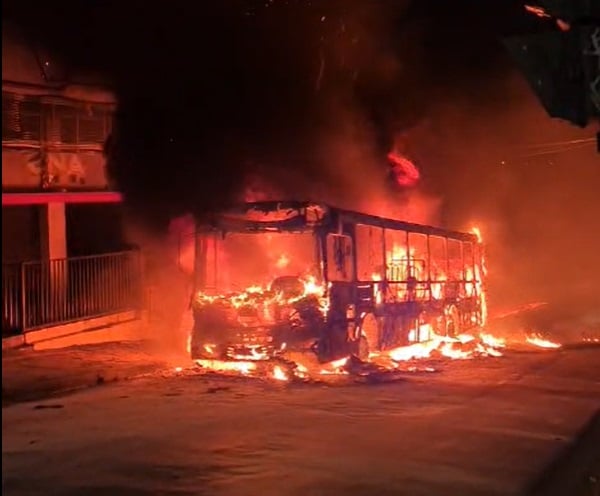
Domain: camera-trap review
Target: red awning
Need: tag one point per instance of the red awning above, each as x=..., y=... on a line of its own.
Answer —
x=15, y=199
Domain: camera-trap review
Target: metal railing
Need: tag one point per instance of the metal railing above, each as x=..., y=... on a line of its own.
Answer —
x=44, y=293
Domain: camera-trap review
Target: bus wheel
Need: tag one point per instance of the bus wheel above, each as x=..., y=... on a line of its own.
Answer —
x=369, y=335
x=452, y=321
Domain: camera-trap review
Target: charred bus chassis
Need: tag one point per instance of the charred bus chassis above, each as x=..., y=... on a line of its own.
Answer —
x=374, y=283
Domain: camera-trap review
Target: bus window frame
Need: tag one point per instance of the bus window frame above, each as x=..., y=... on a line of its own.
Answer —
x=348, y=257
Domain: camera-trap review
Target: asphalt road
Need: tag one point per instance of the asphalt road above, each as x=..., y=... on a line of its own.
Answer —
x=492, y=426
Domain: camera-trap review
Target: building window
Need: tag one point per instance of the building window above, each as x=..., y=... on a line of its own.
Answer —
x=21, y=118
x=63, y=125
x=370, y=264
x=340, y=260
x=69, y=123
x=83, y=124
x=94, y=124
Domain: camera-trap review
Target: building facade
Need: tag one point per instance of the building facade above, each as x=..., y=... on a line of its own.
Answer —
x=63, y=251
x=53, y=134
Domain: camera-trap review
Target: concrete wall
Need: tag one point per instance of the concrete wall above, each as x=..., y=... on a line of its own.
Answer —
x=125, y=326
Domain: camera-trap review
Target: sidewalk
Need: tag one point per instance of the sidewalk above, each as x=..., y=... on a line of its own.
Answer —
x=29, y=375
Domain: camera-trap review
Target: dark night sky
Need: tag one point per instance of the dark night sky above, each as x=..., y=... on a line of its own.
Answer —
x=209, y=88
x=312, y=95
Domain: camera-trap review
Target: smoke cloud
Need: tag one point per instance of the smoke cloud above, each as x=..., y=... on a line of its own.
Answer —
x=530, y=183
x=313, y=109
x=287, y=99
x=168, y=266
x=371, y=81
x=353, y=92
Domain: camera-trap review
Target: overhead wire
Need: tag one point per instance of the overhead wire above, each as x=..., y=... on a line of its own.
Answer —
x=558, y=143
x=553, y=151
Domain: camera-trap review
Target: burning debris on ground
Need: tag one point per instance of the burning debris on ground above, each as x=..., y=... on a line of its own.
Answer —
x=394, y=364
x=537, y=340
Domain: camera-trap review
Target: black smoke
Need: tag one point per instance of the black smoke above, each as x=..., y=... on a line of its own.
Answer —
x=212, y=92
x=306, y=99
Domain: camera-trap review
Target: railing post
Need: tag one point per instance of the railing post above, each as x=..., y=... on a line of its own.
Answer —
x=38, y=294
x=23, y=302
x=142, y=290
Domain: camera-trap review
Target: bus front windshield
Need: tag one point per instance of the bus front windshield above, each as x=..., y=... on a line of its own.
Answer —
x=244, y=260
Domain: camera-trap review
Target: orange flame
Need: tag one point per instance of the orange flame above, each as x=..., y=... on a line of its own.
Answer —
x=243, y=368
x=300, y=371
x=282, y=262
x=537, y=340
x=411, y=277
x=405, y=172
x=491, y=341
x=255, y=354
x=279, y=374
x=462, y=347
x=477, y=232
x=311, y=287
x=412, y=351
x=335, y=367
x=210, y=348
x=485, y=345
x=448, y=350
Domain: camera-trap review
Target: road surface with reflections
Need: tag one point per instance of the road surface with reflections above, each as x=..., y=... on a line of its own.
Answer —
x=485, y=426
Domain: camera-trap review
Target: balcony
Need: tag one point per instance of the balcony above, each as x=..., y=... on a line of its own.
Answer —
x=53, y=144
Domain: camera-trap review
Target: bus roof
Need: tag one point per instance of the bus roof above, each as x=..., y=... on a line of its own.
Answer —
x=304, y=215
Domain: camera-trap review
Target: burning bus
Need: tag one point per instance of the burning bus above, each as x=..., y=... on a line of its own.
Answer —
x=277, y=276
